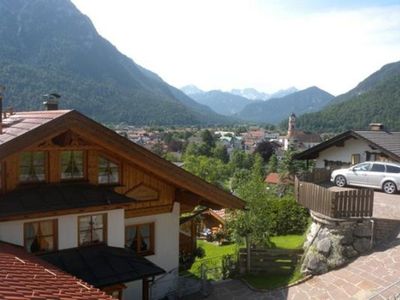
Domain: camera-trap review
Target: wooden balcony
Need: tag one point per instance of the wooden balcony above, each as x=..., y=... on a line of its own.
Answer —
x=333, y=202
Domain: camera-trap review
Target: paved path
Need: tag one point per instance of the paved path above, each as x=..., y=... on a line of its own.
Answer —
x=386, y=206
x=361, y=279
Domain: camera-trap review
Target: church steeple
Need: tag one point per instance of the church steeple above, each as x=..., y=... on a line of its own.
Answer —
x=291, y=125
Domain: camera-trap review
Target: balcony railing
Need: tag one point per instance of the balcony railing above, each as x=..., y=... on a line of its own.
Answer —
x=351, y=203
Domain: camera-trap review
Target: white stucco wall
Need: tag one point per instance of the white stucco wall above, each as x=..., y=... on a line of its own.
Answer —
x=133, y=290
x=166, y=254
x=166, y=251
x=343, y=154
x=13, y=231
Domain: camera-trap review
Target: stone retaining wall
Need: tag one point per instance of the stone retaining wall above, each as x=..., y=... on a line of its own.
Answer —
x=332, y=243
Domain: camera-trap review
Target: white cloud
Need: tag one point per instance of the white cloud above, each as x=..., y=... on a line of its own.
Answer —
x=232, y=44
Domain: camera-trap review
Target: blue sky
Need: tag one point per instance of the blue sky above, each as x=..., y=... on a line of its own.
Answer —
x=267, y=45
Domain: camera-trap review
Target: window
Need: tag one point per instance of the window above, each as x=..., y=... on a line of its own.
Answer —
x=140, y=238
x=108, y=171
x=72, y=165
x=355, y=159
x=371, y=156
x=40, y=236
x=392, y=169
x=92, y=229
x=378, y=168
x=362, y=167
x=32, y=166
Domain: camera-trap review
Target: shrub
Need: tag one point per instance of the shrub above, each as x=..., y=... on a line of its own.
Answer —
x=288, y=217
x=199, y=252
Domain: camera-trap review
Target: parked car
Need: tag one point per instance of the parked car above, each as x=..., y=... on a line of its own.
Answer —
x=378, y=175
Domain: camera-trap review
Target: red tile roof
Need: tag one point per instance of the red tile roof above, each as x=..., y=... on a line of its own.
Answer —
x=272, y=178
x=25, y=276
x=19, y=123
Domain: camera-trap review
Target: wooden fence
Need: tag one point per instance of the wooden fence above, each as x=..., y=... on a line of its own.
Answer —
x=270, y=261
x=318, y=175
x=354, y=203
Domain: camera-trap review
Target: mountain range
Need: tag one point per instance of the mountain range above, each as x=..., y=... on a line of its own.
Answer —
x=233, y=102
x=50, y=46
x=223, y=103
x=374, y=100
x=277, y=109
x=253, y=94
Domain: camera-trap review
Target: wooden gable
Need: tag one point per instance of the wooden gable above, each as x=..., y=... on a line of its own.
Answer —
x=137, y=164
x=142, y=192
x=149, y=193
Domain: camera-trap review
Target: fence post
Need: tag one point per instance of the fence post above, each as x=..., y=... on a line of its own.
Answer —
x=248, y=253
x=203, y=276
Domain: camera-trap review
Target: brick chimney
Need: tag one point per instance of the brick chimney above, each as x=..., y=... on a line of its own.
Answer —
x=51, y=101
x=376, y=127
x=2, y=89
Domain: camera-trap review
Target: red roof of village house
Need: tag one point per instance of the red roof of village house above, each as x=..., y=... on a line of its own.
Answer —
x=25, y=276
x=272, y=178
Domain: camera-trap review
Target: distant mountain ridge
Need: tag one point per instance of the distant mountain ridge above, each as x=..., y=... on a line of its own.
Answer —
x=251, y=94
x=49, y=46
x=191, y=90
x=231, y=103
x=375, y=99
x=222, y=102
x=277, y=109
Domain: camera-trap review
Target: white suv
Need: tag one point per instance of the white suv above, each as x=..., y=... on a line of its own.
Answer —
x=377, y=175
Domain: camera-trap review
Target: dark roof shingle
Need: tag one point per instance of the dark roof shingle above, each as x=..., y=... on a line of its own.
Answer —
x=101, y=265
x=57, y=197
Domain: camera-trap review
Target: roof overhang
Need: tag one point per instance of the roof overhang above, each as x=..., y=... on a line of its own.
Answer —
x=313, y=152
x=101, y=265
x=59, y=199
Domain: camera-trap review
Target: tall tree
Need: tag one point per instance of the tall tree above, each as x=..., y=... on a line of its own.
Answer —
x=265, y=149
x=273, y=164
x=220, y=152
x=207, y=138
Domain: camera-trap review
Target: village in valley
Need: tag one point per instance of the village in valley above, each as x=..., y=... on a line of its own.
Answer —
x=116, y=185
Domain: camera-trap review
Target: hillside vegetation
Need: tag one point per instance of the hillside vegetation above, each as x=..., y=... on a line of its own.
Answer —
x=275, y=110
x=376, y=99
x=49, y=46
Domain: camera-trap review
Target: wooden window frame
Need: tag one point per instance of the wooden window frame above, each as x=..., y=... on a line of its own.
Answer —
x=55, y=235
x=151, y=251
x=355, y=158
x=84, y=165
x=114, y=161
x=45, y=168
x=105, y=231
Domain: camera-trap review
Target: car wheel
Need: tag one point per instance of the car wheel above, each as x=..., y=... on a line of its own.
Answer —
x=389, y=187
x=340, y=180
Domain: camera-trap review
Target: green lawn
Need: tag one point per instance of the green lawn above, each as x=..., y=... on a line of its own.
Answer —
x=214, y=252
x=288, y=241
x=267, y=281
x=212, y=258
